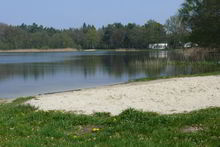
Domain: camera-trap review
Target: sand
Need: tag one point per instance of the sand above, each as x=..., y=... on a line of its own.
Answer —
x=3, y=101
x=177, y=95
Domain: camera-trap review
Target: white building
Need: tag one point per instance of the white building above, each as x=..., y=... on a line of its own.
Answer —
x=158, y=46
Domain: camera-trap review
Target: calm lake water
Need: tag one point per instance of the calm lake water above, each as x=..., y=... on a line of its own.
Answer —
x=26, y=74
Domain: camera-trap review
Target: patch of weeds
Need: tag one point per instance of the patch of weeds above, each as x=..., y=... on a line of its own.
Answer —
x=22, y=100
x=179, y=76
x=102, y=114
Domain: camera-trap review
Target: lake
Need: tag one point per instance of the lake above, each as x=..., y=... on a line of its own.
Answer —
x=27, y=74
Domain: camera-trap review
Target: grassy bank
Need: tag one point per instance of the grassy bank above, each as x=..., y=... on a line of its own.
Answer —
x=177, y=76
x=26, y=126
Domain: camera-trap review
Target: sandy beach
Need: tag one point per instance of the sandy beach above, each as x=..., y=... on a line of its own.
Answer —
x=167, y=96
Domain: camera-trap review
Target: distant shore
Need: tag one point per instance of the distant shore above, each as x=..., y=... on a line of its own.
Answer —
x=38, y=50
x=68, y=50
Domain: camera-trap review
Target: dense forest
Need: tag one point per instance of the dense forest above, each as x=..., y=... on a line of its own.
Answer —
x=197, y=21
x=114, y=35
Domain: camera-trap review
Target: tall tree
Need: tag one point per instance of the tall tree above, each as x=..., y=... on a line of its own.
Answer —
x=177, y=33
x=93, y=38
x=155, y=32
x=203, y=18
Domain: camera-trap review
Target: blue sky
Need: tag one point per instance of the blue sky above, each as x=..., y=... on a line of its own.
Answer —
x=72, y=13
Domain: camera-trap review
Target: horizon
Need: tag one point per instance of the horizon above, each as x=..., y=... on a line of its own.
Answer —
x=78, y=26
x=72, y=14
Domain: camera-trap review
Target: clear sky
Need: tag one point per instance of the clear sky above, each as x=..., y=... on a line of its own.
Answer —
x=72, y=13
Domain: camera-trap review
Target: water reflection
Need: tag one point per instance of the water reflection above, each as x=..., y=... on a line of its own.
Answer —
x=23, y=74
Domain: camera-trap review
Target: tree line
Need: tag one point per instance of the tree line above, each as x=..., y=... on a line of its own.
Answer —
x=114, y=35
x=197, y=21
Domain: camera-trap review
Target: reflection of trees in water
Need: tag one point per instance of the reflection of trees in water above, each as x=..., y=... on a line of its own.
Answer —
x=118, y=64
x=132, y=65
x=153, y=67
x=26, y=70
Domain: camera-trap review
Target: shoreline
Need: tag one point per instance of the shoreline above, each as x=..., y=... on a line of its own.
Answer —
x=148, y=80
x=4, y=100
x=165, y=96
x=71, y=50
x=38, y=50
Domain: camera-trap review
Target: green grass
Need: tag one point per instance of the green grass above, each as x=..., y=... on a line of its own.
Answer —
x=199, y=63
x=25, y=126
x=177, y=76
